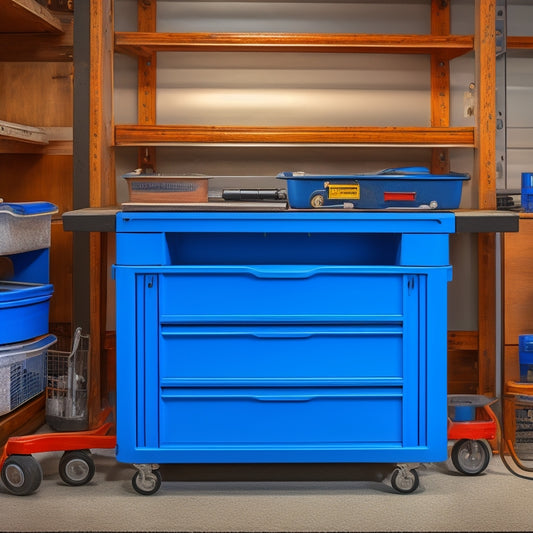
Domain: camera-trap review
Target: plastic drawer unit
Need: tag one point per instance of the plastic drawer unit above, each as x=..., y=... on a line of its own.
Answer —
x=281, y=337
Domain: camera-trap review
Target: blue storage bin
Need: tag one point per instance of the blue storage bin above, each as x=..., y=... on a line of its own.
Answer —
x=527, y=192
x=525, y=354
x=24, y=310
x=390, y=188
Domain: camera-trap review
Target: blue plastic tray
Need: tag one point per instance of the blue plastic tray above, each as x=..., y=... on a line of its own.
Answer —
x=407, y=187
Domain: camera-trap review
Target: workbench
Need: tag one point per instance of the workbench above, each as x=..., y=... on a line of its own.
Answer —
x=281, y=336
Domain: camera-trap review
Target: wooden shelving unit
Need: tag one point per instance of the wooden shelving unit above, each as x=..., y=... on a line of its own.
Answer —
x=27, y=16
x=145, y=45
x=439, y=44
x=30, y=32
x=35, y=151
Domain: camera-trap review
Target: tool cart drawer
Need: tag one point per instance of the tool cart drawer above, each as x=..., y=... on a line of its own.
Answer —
x=287, y=292
x=231, y=354
x=270, y=419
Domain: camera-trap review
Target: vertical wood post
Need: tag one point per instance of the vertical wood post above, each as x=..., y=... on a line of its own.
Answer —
x=147, y=76
x=101, y=182
x=440, y=84
x=485, y=158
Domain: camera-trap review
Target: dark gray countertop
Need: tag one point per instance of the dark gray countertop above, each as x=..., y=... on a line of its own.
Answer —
x=102, y=219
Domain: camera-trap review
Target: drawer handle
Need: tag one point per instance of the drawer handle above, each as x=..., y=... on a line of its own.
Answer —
x=284, y=398
x=282, y=335
x=283, y=274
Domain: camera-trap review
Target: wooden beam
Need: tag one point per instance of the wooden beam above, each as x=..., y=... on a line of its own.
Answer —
x=144, y=44
x=485, y=45
x=516, y=42
x=142, y=135
x=102, y=183
x=440, y=84
x=147, y=81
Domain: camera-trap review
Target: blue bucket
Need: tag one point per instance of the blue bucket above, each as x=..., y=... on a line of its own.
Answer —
x=527, y=192
x=525, y=355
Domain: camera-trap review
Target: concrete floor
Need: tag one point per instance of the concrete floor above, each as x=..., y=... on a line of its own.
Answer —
x=445, y=501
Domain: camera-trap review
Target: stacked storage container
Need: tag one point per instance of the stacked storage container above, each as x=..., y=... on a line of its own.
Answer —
x=25, y=294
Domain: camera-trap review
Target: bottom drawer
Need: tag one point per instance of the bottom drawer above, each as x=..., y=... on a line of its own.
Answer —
x=281, y=417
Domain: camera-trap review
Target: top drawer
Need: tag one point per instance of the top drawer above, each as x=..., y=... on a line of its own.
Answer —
x=287, y=293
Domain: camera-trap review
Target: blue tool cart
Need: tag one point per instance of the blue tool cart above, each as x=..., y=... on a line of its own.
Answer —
x=281, y=337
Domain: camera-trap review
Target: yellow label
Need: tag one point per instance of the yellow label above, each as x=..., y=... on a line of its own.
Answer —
x=338, y=192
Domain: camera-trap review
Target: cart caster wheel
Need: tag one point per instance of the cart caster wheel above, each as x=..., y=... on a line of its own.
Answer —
x=404, y=480
x=470, y=457
x=317, y=201
x=76, y=467
x=147, y=483
x=21, y=474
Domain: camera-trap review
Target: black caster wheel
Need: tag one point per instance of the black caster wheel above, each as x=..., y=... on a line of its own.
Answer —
x=147, y=483
x=404, y=481
x=471, y=457
x=76, y=467
x=21, y=474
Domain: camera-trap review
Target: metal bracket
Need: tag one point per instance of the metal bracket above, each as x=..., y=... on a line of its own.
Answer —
x=501, y=97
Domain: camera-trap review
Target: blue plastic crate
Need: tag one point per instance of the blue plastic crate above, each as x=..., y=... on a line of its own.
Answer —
x=405, y=187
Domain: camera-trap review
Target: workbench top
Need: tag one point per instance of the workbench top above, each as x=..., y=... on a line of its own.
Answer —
x=103, y=219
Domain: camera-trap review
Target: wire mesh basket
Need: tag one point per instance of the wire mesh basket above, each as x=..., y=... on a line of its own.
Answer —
x=66, y=390
x=22, y=371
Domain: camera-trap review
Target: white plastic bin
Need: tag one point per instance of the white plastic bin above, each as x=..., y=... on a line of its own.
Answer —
x=25, y=226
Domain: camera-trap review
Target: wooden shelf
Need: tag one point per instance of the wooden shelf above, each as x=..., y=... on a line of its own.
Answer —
x=520, y=42
x=18, y=132
x=144, y=135
x=26, y=419
x=27, y=16
x=146, y=43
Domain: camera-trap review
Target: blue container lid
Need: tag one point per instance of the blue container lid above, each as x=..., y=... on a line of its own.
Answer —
x=16, y=290
x=27, y=347
x=400, y=173
x=28, y=208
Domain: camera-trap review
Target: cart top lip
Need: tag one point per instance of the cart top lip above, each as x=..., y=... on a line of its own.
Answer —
x=400, y=173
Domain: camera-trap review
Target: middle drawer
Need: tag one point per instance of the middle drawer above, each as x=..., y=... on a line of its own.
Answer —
x=232, y=353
